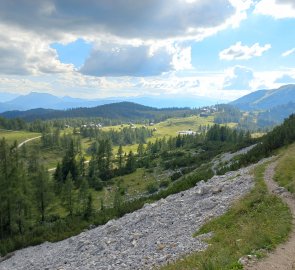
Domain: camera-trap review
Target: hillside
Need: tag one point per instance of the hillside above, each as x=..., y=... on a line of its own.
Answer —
x=150, y=232
x=121, y=111
x=266, y=99
x=157, y=233
x=275, y=115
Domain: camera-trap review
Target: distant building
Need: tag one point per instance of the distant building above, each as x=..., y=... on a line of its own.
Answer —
x=187, y=132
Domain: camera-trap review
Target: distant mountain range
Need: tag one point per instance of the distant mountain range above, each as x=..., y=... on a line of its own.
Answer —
x=36, y=100
x=274, y=105
x=266, y=99
x=125, y=111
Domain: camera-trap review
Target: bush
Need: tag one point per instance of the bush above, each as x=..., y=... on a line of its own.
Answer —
x=152, y=188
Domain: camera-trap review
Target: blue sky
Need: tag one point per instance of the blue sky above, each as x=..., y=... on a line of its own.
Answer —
x=219, y=49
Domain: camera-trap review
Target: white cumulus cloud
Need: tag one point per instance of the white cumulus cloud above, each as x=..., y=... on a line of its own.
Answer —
x=279, y=9
x=238, y=78
x=243, y=52
x=27, y=54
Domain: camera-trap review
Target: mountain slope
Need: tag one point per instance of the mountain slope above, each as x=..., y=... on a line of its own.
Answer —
x=266, y=99
x=36, y=100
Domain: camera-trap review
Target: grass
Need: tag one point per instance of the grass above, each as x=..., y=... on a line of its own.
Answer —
x=247, y=228
x=134, y=184
x=285, y=171
x=171, y=126
x=167, y=128
x=19, y=136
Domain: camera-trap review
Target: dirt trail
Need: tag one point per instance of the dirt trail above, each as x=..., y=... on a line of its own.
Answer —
x=283, y=257
x=28, y=140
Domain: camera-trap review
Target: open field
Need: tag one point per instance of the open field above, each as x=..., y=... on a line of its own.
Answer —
x=167, y=128
x=172, y=126
x=19, y=136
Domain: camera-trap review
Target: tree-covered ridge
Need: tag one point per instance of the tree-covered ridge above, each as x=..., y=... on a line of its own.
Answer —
x=119, y=111
x=280, y=136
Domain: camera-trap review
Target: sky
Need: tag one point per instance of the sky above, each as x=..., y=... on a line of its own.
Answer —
x=219, y=49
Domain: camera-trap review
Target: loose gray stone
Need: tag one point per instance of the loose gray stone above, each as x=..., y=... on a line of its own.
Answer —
x=158, y=233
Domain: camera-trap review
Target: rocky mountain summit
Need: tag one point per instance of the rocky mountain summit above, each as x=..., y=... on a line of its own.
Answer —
x=155, y=235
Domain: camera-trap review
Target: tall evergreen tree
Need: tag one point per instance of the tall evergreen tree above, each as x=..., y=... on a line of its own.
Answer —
x=68, y=194
x=42, y=192
x=120, y=157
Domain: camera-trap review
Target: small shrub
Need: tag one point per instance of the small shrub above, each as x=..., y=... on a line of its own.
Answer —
x=152, y=188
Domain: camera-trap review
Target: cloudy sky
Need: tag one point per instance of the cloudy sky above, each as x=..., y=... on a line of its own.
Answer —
x=220, y=49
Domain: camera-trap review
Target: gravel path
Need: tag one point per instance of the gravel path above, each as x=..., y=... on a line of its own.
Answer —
x=152, y=236
x=28, y=140
x=283, y=257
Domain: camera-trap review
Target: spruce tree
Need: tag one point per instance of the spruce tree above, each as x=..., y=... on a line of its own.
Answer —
x=68, y=194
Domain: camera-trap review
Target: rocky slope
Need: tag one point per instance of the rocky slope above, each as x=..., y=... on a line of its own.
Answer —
x=152, y=236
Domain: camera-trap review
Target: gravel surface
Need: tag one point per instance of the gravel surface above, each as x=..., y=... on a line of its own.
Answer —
x=152, y=236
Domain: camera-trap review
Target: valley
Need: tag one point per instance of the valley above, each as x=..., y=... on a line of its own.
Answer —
x=147, y=135
x=74, y=174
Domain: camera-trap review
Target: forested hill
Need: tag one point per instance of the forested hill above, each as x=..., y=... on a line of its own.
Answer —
x=120, y=111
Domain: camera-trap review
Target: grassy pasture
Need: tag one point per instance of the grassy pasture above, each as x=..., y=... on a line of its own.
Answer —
x=167, y=128
x=19, y=136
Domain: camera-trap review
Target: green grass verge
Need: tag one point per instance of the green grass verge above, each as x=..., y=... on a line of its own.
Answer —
x=245, y=229
x=285, y=171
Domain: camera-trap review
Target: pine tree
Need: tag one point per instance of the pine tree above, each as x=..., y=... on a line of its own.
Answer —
x=120, y=156
x=89, y=207
x=140, y=150
x=83, y=195
x=42, y=191
x=58, y=177
x=130, y=163
x=68, y=194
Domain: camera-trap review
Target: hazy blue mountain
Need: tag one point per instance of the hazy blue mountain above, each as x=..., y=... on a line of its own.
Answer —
x=4, y=97
x=5, y=107
x=266, y=99
x=166, y=101
x=36, y=100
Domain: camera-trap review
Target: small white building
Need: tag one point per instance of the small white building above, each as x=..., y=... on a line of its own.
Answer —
x=187, y=132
